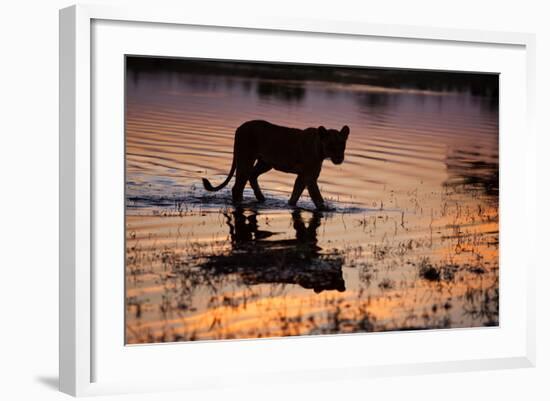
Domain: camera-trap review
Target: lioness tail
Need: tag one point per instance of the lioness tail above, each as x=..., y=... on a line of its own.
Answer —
x=209, y=186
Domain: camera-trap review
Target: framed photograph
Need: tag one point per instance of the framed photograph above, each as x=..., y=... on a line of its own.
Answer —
x=292, y=199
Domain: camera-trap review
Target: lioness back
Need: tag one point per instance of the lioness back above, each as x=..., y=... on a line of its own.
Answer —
x=286, y=149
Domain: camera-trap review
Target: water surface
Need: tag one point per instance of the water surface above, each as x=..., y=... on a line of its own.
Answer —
x=411, y=243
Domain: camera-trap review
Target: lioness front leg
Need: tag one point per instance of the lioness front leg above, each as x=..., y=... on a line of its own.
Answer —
x=299, y=186
x=315, y=194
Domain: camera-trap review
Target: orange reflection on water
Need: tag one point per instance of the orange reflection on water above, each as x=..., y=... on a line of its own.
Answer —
x=413, y=242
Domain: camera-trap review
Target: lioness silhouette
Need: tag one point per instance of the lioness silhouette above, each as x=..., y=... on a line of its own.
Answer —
x=260, y=146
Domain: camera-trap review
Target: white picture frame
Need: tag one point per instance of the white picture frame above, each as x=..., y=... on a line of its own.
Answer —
x=79, y=345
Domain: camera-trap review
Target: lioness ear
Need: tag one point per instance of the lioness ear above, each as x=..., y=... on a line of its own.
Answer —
x=322, y=131
x=345, y=131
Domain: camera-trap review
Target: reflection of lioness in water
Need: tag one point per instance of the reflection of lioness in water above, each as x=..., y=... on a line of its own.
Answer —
x=285, y=149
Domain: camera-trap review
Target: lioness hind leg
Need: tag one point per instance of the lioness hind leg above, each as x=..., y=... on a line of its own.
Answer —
x=244, y=169
x=238, y=188
x=260, y=168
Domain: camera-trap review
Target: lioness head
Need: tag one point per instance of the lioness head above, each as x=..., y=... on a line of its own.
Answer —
x=334, y=143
